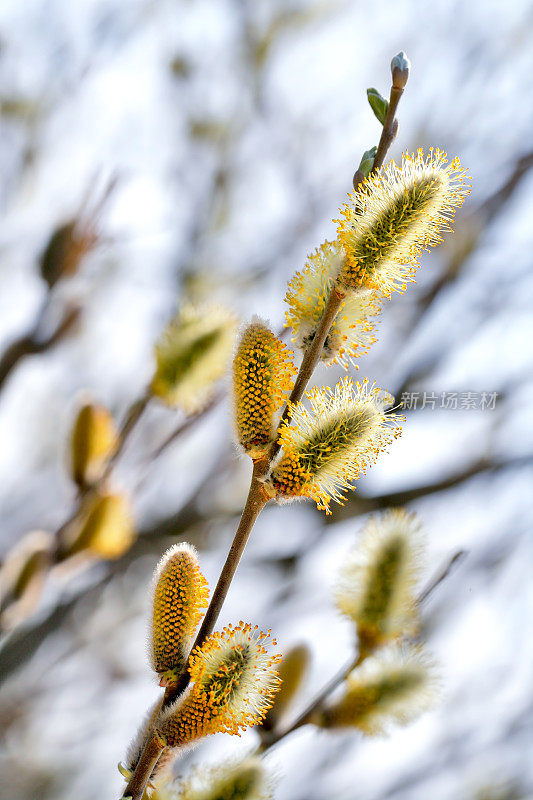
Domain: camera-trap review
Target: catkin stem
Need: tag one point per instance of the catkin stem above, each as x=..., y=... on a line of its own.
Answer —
x=390, y=128
x=309, y=362
x=147, y=761
x=131, y=419
x=255, y=502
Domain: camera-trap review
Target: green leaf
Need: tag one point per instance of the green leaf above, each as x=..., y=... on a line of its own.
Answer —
x=378, y=104
x=367, y=161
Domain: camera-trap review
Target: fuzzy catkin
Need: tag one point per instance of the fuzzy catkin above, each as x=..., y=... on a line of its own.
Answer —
x=234, y=681
x=394, y=215
x=180, y=596
x=351, y=333
x=262, y=376
x=192, y=354
x=394, y=686
x=327, y=447
x=376, y=586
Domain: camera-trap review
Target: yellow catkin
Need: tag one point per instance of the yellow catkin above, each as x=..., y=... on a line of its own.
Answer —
x=180, y=596
x=263, y=374
x=351, y=333
x=107, y=530
x=94, y=438
x=397, y=213
x=234, y=681
x=377, y=583
x=192, y=354
x=394, y=686
x=329, y=446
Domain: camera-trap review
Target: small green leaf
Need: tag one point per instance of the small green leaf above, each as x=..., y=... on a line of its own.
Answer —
x=378, y=104
x=367, y=161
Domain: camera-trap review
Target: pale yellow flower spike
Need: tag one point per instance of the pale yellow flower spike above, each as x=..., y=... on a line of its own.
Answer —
x=350, y=335
x=330, y=445
x=234, y=683
x=179, y=599
x=192, y=354
x=395, y=214
x=394, y=686
x=242, y=780
x=263, y=374
x=377, y=583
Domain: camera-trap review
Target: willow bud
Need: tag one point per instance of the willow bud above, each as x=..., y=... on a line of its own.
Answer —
x=106, y=531
x=94, y=438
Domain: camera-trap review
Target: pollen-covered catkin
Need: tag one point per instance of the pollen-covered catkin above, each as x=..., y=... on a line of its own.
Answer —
x=394, y=686
x=192, y=354
x=180, y=595
x=351, y=332
x=263, y=373
x=377, y=582
x=395, y=214
x=330, y=445
x=234, y=680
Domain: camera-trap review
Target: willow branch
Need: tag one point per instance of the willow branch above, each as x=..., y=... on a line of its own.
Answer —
x=149, y=757
x=32, y=345
x=309, y=362
x=255, y=502
x=390, y=127
x=131, y=419
x=257, y=497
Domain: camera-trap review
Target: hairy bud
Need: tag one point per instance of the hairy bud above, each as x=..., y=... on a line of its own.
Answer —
x=107, y=529
x=94, y=438
x=292, y=672
x=400, y=67
x=242, y=780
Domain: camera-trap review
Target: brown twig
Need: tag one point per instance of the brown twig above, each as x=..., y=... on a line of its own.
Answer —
x=308, y=365
x=149, y=757
x=32, y=344
x=255, y=502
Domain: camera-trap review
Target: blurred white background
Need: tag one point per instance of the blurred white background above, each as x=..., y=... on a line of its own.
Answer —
x=232, y=130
